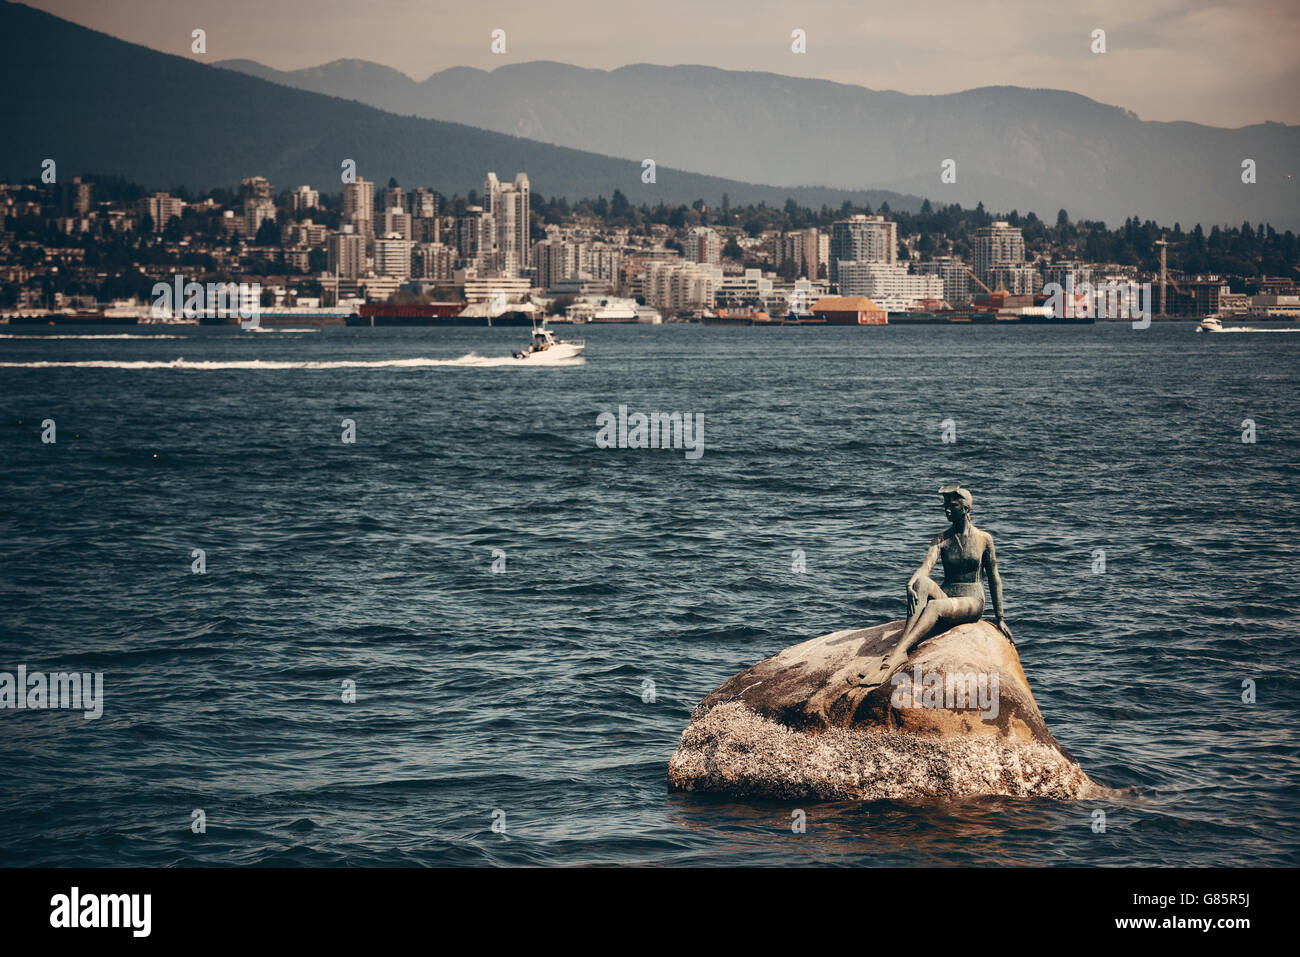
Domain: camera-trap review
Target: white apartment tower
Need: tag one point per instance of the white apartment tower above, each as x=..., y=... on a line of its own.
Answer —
x=359, y=206
x=998, y=245
x=393, y=256
x=863, y=239
x=161, y=207
x=507, y=206
x=304, y=197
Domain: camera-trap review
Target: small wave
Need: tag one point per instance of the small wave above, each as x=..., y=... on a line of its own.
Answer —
x=116, y=335
x=275, y=365
x=277, y=329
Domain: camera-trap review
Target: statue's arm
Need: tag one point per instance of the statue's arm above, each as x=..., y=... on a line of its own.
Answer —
x=995, y=583
x=927, y=564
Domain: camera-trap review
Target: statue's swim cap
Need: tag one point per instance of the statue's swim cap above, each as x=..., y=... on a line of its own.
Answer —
x=953, y=490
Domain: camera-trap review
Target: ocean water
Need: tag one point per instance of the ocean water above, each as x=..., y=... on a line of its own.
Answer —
x=550, y=696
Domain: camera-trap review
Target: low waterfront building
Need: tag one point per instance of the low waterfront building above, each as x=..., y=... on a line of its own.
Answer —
x=379, y=288
x=750, y=288
x=581, y=286
x=481, y=288
x=1274, y=306
x=849, y=311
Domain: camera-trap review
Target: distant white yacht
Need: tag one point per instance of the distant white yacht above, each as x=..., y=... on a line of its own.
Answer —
x=612, y=309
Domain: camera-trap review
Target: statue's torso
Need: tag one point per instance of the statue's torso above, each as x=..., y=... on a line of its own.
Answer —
x=961, y=564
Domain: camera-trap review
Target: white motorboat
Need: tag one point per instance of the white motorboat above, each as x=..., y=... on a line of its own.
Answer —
x=1210, y=324
x=546, y=348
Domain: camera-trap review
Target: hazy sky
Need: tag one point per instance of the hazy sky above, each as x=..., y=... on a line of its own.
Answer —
x=1226, y=64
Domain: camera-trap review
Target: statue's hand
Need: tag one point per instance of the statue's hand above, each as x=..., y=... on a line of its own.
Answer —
x=1002, y=627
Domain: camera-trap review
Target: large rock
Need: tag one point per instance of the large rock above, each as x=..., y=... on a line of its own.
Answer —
x=958, y=719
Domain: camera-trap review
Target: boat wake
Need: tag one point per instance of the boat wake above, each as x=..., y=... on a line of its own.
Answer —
x=188, y=365
x=1219, y=332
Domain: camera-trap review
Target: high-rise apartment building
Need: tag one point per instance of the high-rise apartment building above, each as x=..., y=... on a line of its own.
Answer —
x=161, y=207
x=393, y=256
x=474, y=237
x=806, y=248
x=1019, y=279
x=507, y=204
x=554, y=260
x=425, y=203
x=79, y=197
x=862, y=238
x=952, y=272
x=256, y=187
x=703, y=246
x=394, y=197
x=347, y=253
x=304, y=197
x=397, y=221
x=359, y=206
x=433, y=262
x=998, y=245
x=680, y=286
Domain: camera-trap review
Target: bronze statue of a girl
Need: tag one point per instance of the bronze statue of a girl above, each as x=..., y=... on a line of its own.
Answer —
x=966, y=551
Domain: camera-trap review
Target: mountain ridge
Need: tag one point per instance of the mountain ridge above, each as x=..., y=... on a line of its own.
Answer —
x=1015, y=147
x=96, y=103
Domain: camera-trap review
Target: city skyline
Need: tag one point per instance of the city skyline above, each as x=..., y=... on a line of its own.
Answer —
x=748, y=263
x=915, y=50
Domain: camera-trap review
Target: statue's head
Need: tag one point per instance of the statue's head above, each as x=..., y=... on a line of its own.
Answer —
x=956, y=501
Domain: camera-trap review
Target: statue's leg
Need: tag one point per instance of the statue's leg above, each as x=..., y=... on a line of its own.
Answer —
x=928, y=591
x=939, y=608
x=923, y=611
x=961, y=610
x=949, y=612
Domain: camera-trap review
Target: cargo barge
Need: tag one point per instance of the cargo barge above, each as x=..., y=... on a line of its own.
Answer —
x=441, y=314
x=72, y=319
x=737, y=317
